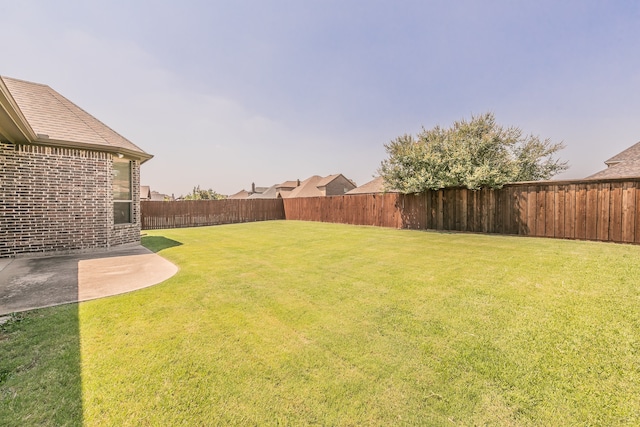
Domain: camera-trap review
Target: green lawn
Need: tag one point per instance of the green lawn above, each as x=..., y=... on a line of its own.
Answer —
x=297, y=323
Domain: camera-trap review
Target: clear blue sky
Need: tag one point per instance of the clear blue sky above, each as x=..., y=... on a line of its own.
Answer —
x=225, y=93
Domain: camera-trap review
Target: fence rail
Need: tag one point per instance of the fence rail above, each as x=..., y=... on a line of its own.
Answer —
x=195, y=213
x=606, y=210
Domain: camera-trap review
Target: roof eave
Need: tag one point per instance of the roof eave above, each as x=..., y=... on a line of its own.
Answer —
x=136, y=155
x=13, y=125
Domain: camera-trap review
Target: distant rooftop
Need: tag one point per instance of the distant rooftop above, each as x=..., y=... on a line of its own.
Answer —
x=625, y=164
x=374, y=186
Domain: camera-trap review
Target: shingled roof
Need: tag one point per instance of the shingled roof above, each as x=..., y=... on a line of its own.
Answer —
x=35, y=113
x=374, y=186
x=307, y=188
x=269, y=193
x=631, y=153
x=625, y=164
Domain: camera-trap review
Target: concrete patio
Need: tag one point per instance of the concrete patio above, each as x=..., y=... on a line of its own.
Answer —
x=37, y=282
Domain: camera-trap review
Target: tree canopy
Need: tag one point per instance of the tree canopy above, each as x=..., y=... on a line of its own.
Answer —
x=200, y=194
x=474, y=154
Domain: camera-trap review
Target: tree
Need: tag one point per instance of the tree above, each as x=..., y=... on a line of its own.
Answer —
x=198, y=194
x=476, y=153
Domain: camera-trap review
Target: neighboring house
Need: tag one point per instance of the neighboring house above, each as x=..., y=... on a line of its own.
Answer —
x=159, y=197
x=335, y=185
x=285, y=189
x=243, y=194
x=374, y=186
x=277, y=191
x=145, y=193
x=317, y=186
x=625, y=164
x=68, y=181
x=269, y=193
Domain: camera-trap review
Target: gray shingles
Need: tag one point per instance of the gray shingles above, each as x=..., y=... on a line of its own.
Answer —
x=624, y=169
x=51, y=114
x=625, y=164
x=631, y=153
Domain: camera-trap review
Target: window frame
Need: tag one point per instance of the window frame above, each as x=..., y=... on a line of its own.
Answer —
x=122, y=216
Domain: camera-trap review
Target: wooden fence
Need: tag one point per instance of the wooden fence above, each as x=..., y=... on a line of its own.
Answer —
x=381, y=210
x=195, y=213
x=606, y=210
x=586, y=210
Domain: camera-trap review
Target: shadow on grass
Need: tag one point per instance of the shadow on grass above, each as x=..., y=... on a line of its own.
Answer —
x=40, y=350
x=40, y=371
x=158, y=243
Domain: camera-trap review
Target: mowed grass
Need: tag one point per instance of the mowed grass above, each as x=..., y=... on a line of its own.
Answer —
x=299, y=323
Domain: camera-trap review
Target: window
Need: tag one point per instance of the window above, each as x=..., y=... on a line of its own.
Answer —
x=122, y=194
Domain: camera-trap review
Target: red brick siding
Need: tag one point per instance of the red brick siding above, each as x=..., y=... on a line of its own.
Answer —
x=59, y=200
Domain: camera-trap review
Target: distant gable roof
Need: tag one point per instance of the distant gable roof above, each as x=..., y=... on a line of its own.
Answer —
x=276, y=191
x=156, y=196
x=374, y=186
x=145, y=192
x=327, y=180
x=625, y=164
x=307, y=188
x=623, y=169
x=288, y=185
x=631, y=153
x=35, y=113
x=242, y=194
x=269, y=193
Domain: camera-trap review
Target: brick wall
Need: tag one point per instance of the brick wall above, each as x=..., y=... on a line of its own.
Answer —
x=59, y=200
x=338, y=187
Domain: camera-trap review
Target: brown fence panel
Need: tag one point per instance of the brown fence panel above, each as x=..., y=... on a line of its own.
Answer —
x=474, y=211
x=629, y=213
x=558, y=211
x=570, y=211
x=532, y=209
x=541, y=211
x=491, y=210
x=603, y=213
x=637, y=236
x=581, y=211
x=502, y=211
x=196, y=213
x=383, y=210
x=550, y=208
x=463, y=210
x=591, y=212
x=413, y=211
x=449, y=209
x=615, y=212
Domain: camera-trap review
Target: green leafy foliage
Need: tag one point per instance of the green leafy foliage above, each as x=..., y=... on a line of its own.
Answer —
x=474, y=154
x=200, y=194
